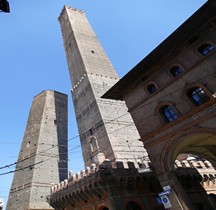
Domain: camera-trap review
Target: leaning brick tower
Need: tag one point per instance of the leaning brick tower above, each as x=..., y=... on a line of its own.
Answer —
x=106, y=128
x=43, y=158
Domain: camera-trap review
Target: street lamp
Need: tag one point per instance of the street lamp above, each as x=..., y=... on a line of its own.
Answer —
x=4, y=6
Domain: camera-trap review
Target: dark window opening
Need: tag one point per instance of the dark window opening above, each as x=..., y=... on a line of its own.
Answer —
x=205, y=49
x=199, y=206
x=144, y=78
x=151, y=88
x=168, y=113
x=198, y=96
x=175, y=71
x=133, y=206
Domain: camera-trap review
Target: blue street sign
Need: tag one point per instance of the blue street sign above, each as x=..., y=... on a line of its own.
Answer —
x=167, y=192
x=165, y=201
x=159, y=201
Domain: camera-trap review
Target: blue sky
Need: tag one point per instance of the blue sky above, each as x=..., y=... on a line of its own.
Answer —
x=32, y=57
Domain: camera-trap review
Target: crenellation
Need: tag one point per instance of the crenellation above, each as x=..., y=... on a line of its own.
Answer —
x=70, y=174
x=192, y=163
x=52, y=190
x=196, y=164
x=207, y=164
x=87, y=171
x=61, y=184
x=82, y=174
x=93, y=168
x=77, y=177
x=71, y=180
x=58, y=186
x=186, y=164
x=132, y=165
x=178, y=164
x=202, y=165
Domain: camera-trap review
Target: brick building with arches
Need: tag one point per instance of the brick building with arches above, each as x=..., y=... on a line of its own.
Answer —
x=171, y=99
x=170, y=95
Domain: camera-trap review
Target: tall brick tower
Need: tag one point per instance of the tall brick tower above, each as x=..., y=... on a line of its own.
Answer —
x=106, y=128
x=42, y=159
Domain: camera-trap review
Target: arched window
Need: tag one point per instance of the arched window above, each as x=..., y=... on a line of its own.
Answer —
x=133, y=206
x=175, y=71
x=198, y=96
x=205, y=49
x=151, y=88
x=168, y=113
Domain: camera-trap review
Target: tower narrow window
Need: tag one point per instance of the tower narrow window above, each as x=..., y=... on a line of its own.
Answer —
x=91, y=132
x=168, y=113
x=175, y=71
x=151, y=88
x=198, y=96
x=205, y=49
x=93, y=144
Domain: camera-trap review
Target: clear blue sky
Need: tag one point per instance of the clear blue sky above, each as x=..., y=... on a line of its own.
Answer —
x=32, y=57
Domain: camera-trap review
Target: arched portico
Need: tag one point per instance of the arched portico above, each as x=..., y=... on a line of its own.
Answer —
x=200, y=143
